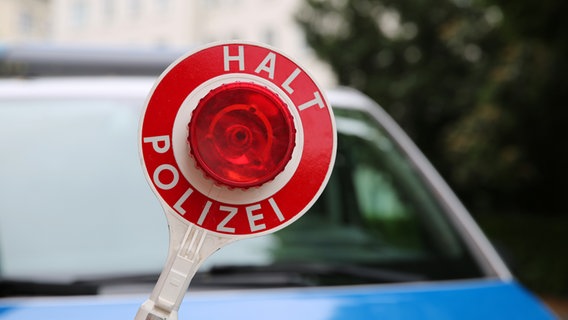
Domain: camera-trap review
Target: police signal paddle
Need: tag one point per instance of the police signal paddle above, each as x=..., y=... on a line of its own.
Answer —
x=237, y=141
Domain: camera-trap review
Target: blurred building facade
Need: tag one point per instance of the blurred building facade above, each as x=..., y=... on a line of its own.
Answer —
x=124, y=22
x=160, y=23
x=24, y=20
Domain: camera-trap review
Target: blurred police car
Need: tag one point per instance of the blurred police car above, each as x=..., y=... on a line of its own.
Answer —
x=83, y=237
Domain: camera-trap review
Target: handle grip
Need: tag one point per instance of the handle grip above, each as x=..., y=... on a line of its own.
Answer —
x=189, y=247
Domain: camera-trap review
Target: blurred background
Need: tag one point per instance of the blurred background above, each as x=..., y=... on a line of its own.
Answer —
x=478, y=84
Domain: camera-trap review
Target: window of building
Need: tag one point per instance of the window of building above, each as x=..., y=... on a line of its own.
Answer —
x=162, y=5
x=135, y=8
x=25, y=22
x=109, y=10
x=79, y=14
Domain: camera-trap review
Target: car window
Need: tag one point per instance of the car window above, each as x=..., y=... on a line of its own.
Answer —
x=376, y=211
x=75, y=203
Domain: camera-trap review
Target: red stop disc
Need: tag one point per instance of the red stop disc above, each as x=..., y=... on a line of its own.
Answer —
x=238, y=139
x=241, y=135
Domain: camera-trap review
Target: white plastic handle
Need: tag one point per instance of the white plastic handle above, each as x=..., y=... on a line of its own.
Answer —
x=189, y=247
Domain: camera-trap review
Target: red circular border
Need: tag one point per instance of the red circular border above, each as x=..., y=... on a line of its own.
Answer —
x=319, y=139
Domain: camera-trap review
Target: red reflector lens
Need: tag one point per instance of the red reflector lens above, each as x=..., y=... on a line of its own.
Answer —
x=241, y=135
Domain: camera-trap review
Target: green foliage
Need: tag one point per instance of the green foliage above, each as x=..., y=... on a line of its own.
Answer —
x=534, y=246
x=478, y=85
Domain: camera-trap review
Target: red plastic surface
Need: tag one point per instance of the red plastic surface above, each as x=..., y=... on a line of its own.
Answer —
x=315, y=132
x=241, y=135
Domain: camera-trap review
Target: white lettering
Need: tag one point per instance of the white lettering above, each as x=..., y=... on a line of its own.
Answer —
x=204, y=213
x=159, y=183
x=155, y=143
x=288, y=81
x=268, y=65
x=223, y=225
x=253, y=218
x=276, y=209
x=181, y=200
x=240, y=58
x=317, y=100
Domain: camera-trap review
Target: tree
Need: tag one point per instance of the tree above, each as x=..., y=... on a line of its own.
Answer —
x=462, y=82
x=535, y=90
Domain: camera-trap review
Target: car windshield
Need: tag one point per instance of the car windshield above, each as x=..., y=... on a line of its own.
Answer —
x=75, y=204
